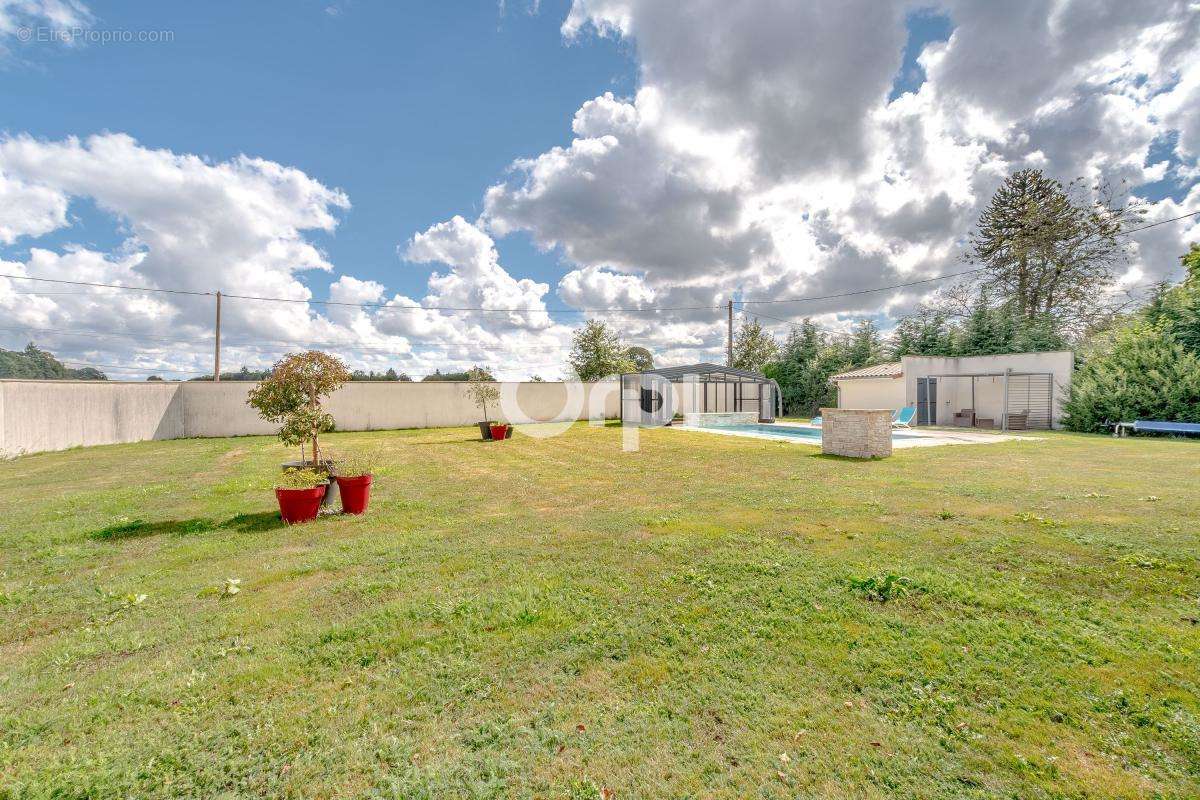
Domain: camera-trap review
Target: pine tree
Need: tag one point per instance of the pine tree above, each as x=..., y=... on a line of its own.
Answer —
x=1050, y=250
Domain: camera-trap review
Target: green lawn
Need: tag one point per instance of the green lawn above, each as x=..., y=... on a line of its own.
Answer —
x=550, y=618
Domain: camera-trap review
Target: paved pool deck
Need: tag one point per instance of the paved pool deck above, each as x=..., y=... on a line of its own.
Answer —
x=901, y=437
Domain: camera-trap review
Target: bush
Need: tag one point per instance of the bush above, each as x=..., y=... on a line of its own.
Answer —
x=299, y=479
x=1138, y=371
x=355, y=465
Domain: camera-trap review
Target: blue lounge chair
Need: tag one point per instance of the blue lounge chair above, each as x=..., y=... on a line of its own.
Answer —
x=815, y=421
x=903, y=417
x=1156, y=426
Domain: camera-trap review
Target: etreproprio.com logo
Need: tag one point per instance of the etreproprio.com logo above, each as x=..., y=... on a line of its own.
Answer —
x=97, y=36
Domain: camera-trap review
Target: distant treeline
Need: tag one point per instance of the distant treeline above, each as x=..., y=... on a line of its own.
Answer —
x=33, y=362
x=246, y=374
x=438, y=375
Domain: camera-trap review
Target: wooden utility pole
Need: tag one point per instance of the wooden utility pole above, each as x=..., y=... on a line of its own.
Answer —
x=729, y=348
x=217, y=346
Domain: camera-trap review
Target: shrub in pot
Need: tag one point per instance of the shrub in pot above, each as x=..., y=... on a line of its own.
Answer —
x=482, y=389
x=355, y=474
x=291, y=395
x=299, y=493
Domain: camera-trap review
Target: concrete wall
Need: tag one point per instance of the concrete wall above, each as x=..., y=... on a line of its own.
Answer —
x=872, y=393
x=53, y=415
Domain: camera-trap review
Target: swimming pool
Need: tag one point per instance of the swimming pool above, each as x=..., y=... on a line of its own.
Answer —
x=767, y=429
x=796, y=433
x=809, y=436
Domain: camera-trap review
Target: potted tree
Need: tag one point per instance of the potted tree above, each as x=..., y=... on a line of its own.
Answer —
x=299, y=493
x=291, y=395
x=482, y=389
x=355, y=474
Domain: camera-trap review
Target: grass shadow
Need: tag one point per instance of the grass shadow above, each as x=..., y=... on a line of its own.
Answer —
x=140, y=528
x=847, y=459
x=253, y=523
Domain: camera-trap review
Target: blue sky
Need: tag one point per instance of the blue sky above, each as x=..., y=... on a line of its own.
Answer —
x=410, y=108
x=598, y=154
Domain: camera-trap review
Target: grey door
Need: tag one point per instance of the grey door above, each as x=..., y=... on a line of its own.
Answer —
x=927, y=401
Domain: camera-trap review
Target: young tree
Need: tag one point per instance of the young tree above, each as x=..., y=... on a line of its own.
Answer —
x=753, y=347
x=597, y=353
x=482, y=389
x=1050, y=250
x=292, y=395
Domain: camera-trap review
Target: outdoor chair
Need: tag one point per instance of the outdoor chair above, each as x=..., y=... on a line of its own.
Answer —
x=904, y=417
x=1019, y=422
x=815, y=421
x=965, y=418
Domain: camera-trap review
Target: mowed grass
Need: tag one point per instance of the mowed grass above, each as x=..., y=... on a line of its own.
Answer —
x=555, y=618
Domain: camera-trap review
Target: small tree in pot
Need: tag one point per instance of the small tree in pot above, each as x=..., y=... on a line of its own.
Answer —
x=292, y=394
x=482, y=389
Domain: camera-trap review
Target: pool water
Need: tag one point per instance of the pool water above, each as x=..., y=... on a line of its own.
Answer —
x=792, y=432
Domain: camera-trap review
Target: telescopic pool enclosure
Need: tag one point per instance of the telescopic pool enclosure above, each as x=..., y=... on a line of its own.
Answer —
x=699, y=388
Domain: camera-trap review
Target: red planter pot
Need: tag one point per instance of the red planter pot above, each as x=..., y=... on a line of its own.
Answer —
x=499, y=432
x=356, y=493
x=299, y=505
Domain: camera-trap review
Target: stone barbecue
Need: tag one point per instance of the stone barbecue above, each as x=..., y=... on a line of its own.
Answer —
x=856, y=432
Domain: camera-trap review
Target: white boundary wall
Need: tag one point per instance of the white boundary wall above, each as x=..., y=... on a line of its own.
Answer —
x=36, y=416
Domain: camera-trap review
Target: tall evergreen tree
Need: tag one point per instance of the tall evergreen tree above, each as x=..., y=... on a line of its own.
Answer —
x=1138, y=371
x=803, y=371
x=1177, y=310
x=866, y=345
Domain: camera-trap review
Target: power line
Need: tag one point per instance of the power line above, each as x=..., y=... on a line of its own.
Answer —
x=105, y=285
x=620, y=310
x=866, y=291
x=395, y=307
x=380, y=349
x=1156, y=224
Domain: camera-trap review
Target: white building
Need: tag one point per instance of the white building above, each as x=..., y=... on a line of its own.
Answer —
x=1014, y=391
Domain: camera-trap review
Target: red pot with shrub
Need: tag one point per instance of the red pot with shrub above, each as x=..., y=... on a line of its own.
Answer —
x=299, y=493
x=355, y=474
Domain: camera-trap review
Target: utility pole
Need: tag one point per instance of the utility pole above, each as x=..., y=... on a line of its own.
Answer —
x=217, y=347
x=729, y=349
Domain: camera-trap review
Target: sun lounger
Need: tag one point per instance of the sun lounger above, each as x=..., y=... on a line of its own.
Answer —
x=904, y=417
x=1156, y=426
